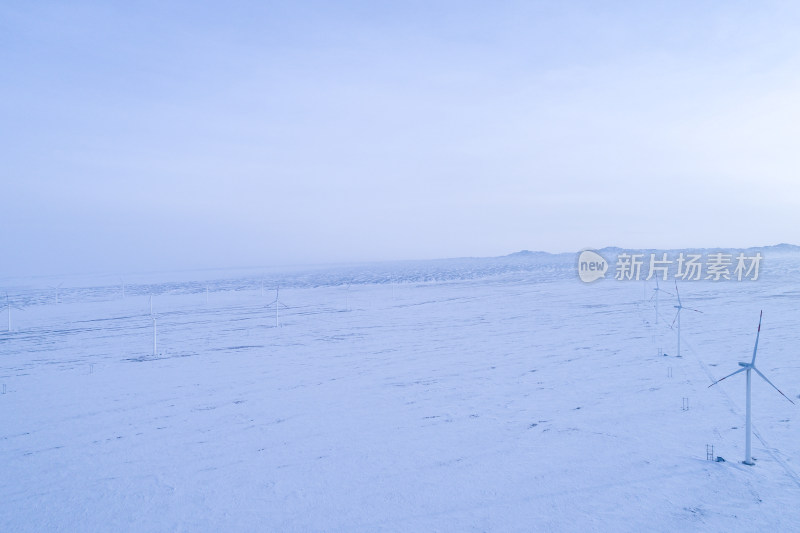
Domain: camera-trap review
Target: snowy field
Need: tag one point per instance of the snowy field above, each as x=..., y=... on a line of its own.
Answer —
x=464, y=395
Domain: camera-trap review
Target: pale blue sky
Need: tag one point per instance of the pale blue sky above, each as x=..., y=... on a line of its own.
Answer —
x=144, y=136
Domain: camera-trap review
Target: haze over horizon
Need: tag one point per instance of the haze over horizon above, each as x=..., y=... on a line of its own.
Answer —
x=193, y=135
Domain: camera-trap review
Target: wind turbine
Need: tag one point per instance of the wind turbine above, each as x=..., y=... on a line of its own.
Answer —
x=748, y=459
x=122, y=281
x=56, y=288
x=655, y=295
x=277, y=303
x=155, y=336
x=679, y=307
x=155, y=328
x=8, y=306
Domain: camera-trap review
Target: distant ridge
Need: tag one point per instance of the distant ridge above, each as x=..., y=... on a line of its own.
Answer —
x=528, y=253
x=615, y=250
x=783, y=247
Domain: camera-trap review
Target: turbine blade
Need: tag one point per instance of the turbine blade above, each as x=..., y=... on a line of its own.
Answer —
x=773, y=386
x=678, y=293
x=695, y=310
x=729, y=375
x=758, y=334
x=676, y=317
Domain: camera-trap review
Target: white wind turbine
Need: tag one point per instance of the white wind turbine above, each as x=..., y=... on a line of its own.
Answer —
x=277, y=302
x=679, y=307
x=155, y=336
x=155, y=328
x=655, y=295
x=57, y=288
x=9, y=306
x=748, y=459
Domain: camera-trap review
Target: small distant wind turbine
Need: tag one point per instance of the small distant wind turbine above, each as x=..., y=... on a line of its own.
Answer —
x=122, y=281
x=206, y=294
x=155, y=335
x=655, y=295
x=155, y=327
x=679, y=307
x=57, y=288
x=277, y=302
x=9, y=306
x=748, y=459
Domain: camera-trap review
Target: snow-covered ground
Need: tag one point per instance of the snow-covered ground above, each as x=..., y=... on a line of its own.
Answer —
x=465, y=395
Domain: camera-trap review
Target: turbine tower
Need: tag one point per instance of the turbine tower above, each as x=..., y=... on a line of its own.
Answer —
x=57, y=288
x=748, y=458
x=155, y=336
x=679, y=307
x=655, y=295
x=155, y=328
x=8, y=305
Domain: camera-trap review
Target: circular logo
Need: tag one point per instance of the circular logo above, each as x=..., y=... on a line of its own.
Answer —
x=591, y=266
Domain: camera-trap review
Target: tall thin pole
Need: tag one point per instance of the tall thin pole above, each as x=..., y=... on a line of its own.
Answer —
x=277, y=305
x=748, y=459
x=155, y=346
x=206, y=294
x=656, y=305
x=679, y=332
